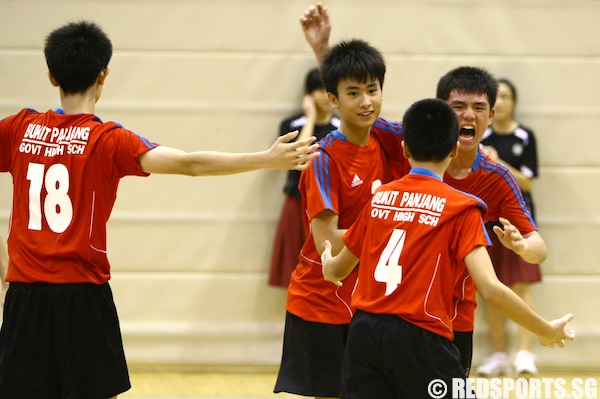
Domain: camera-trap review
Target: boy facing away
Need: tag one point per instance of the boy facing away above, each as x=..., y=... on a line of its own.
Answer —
x=413, y=241
x=60, y=335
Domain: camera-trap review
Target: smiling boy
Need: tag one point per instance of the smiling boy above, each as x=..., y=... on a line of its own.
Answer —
x=334, y=190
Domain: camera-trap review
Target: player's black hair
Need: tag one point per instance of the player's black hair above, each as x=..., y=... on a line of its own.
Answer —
x=76, y=53
x=354, y=59
x=430, y=130
x=468, y=80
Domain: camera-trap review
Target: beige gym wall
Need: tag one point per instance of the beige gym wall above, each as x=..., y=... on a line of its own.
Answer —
x=190, y=256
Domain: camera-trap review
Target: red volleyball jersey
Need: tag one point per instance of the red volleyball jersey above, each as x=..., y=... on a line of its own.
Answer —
x=65, y=170
x=411, y=240
x=494, y=184
x=490, y=181
x=341, y=180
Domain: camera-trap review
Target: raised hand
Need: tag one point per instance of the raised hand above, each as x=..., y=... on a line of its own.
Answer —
x=317, y=29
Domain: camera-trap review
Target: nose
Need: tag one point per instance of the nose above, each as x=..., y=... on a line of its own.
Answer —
x=468, y=113
x=365, y=100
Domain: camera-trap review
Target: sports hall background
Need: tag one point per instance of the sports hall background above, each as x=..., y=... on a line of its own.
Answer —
x=190, y=256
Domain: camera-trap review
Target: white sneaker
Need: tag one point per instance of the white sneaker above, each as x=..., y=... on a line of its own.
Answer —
x=525, y=363
x=498, y=363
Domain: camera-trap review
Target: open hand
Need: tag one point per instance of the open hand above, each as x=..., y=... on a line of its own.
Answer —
x=559, y=334
x=293, y=155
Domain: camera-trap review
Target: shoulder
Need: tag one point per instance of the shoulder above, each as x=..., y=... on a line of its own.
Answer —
x=384, y=125
x=333, y=139
x=484, y=165
x=21, y=115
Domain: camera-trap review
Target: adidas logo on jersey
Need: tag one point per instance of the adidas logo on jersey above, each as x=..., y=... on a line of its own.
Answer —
x=356, y=181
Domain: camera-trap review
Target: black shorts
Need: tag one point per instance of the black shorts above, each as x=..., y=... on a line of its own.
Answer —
x=388, y=357
x=311, y=363
x=61, y=341
x=464, y=343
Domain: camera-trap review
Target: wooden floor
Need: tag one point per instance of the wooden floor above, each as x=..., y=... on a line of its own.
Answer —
x=238, y=384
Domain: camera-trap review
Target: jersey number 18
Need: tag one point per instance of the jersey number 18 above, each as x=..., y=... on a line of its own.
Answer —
x=57, y=208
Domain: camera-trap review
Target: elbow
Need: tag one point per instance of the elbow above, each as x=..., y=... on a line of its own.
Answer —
x=536, y=251
x=539, y=256
x=490, y=293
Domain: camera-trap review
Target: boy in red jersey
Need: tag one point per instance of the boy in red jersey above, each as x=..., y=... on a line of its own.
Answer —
x=472, y=94
x=412, y=240
x=334, y=189
x=60, y=337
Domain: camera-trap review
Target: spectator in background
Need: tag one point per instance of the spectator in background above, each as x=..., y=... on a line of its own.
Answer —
x=513, y=145
x=316, y=120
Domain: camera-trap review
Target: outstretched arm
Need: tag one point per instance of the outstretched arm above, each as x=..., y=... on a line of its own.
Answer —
x=531, y=247
x=281, y=155
x=317, y=29
x=508, y=303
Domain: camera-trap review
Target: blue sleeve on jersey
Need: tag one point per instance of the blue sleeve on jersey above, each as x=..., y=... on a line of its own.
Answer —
x=389, y=126
x=512, y=183
x=323, y=179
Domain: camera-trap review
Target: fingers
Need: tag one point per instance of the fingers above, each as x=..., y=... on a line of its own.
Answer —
x=305, y=141
x=505, y=222
x=498, y=230
x=313, y=14
x=570, y=334
x=302, y=162
x=286, y=138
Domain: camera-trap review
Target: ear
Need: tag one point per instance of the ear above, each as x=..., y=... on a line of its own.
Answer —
x=52, y=80
x=454, y=151
x=492, y=113
x=333, y=100
x=405, y=150
x=102, y=76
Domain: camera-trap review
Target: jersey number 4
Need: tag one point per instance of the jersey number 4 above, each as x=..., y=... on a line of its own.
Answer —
x=388, y=268
x=57, y=209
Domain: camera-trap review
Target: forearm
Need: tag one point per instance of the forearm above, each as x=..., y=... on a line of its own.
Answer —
x=213, y=163
x=535, y=251
x=335, y=237
x=333, y=270
x=320, y=50
x=508, y=303
x=165, y=160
